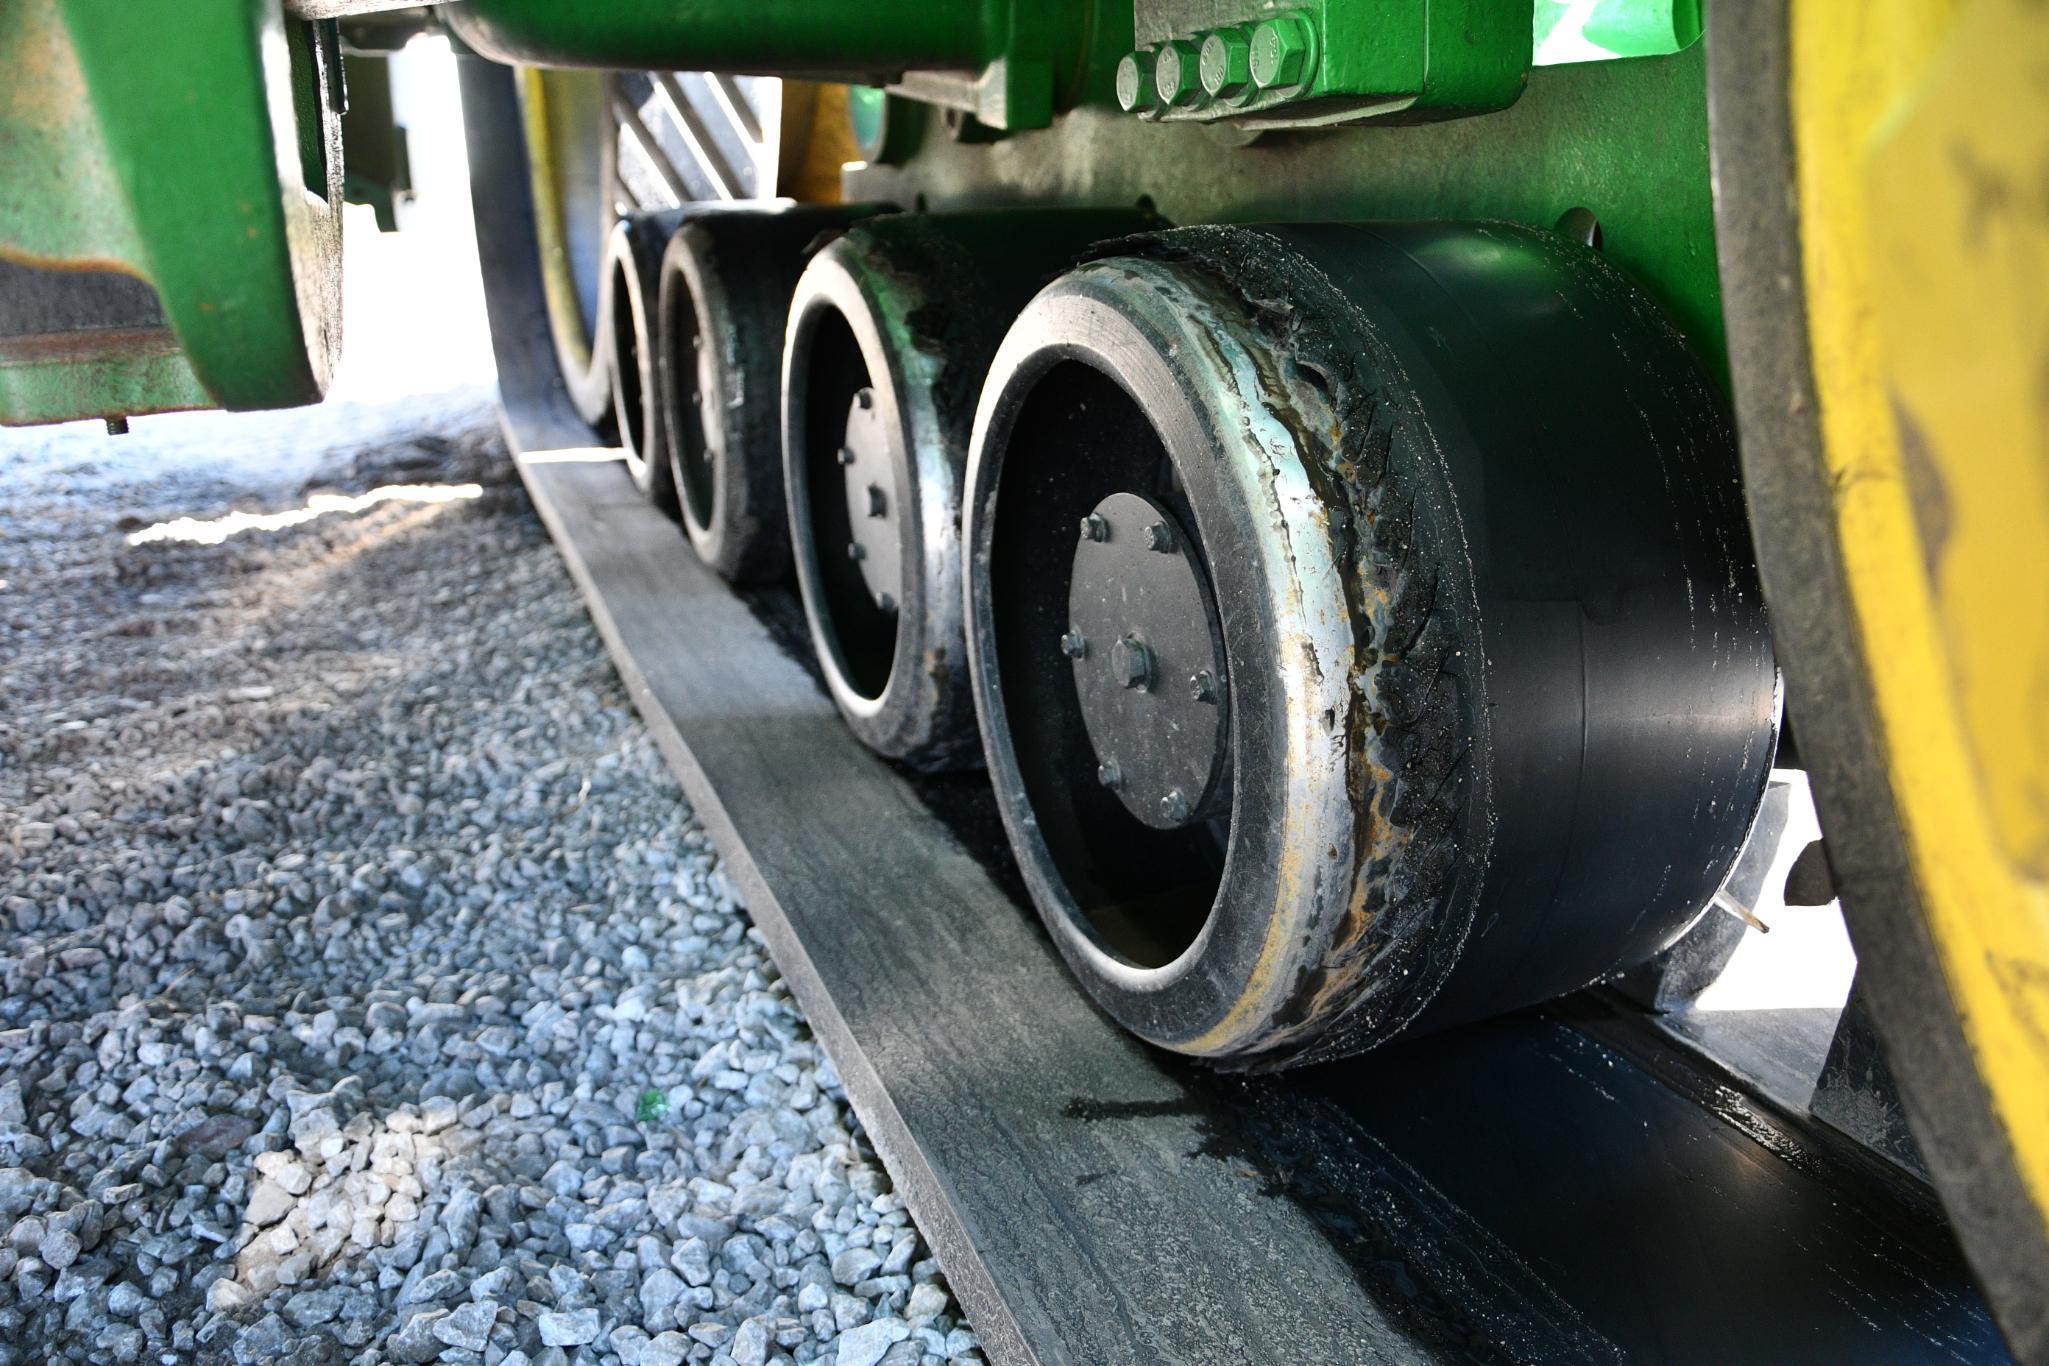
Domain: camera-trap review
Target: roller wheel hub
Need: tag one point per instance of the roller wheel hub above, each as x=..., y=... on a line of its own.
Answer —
x=1148, y=661
x=874, y=546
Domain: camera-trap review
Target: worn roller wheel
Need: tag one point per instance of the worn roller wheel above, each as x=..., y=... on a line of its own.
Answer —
x=1364, y=629
x=633, y=272
x=726, y=280
x=891, y=330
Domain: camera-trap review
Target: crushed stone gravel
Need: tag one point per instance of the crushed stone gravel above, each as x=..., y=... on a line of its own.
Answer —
x=368, y=992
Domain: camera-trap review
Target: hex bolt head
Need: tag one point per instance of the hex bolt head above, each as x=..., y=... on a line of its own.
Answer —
x=878, y=504
x=1131, y=662
x=1227, y=63
x=1094, y=528
x=1074, y=645
x=885, y=602
x=857, y=552
x=1109, y=775
x=1177, y=75
x=1159, y=536
x=1135, y=92
x=1202, y=686
x=1174, y=806
x=1280, y=51
x=846, y=455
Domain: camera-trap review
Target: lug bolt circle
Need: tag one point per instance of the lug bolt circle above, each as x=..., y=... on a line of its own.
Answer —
x=1109, y=775
x=1094, y=528
x=846, y=455
x=1174, y=806
x=1202, y=686
x=885, y=602
x=1159, y=536
x=1074, y=645
x=857, y=552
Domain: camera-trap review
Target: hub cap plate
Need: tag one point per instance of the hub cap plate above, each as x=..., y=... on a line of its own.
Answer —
x=1148, y=662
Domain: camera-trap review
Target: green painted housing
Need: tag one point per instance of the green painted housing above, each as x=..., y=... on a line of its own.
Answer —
x=194, y=146
x=197, y=146
x=1625, y=140
x=1013, y=63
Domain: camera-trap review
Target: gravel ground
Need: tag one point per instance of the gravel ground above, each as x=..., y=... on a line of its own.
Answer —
x=370, y=993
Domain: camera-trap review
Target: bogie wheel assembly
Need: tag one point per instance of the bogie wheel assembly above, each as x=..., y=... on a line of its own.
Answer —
x=1364, y=629
x=572, y=149
x=726, y=280
x=891, y=330
x=633, y=263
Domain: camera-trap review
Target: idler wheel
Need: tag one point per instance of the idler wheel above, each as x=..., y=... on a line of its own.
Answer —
x=633, y=263
x=726, y=280
x=891, y=329
x=1449, y=518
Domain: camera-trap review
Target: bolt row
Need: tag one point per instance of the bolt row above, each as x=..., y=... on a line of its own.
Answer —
x=1229, y=64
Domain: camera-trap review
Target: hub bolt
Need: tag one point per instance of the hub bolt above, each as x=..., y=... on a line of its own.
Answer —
x=1174, y=806
x=1177, y=77
x=846, y=455
x=877, y=503
x=857, y=552
x=1280, y=52
x=1226, y=63
x=1074, y=645
x=1135, y=91
x=1131, y=662
x=1159, y=536
x=864, y=398
x=885, y=603
x=1094, y=528
x=1109, y=775
x=1202, y=686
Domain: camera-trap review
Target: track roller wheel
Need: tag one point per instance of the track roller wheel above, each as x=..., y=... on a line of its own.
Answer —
x=1364, y=631
x=726, y=280
x=633, y=264
x=891, y=330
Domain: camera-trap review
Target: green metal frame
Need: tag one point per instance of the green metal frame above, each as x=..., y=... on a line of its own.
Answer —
x=1013, y=63
x=1626, y=140
x=196, y=143
x=173, y=140
x=196, y=101
x=1325, y=62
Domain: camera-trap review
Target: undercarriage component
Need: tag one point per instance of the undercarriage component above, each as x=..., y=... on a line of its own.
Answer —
x=603, y=144
x=1324, y=62
x=1487, y=641
x=1011, y=64
x=891, y=330
x=194, y=147
x=572, y=149
x=633, y=266
x=1888, y=340
x=379, y=169
x=726, y=281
